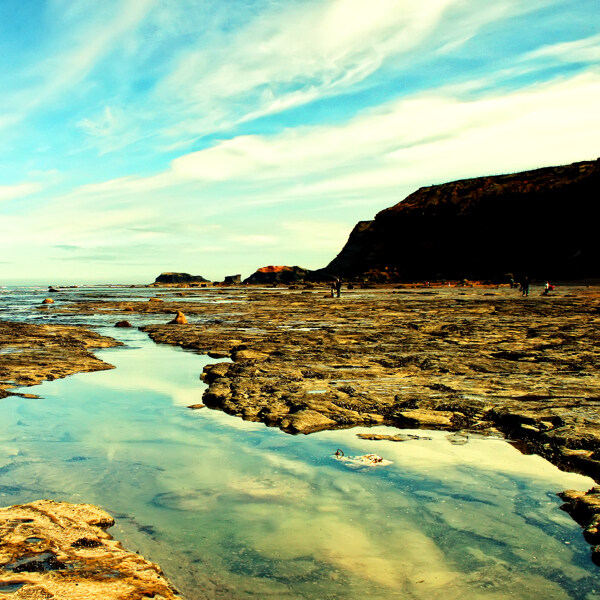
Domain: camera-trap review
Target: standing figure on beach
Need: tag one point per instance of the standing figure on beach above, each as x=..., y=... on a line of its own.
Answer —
x=338, y=287
x=332, y=288
x=525, y=286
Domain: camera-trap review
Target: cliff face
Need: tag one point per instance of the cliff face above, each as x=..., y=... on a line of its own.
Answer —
x=543, y=223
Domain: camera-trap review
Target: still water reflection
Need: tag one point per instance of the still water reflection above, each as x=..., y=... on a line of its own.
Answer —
x=232, y=509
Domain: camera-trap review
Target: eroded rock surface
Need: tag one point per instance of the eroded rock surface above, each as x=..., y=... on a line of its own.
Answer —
x=482, y=359
x=453, y=360
x=34, y=353
x=60, y=550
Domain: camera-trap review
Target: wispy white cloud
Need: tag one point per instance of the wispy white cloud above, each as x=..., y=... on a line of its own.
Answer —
x=80, y=44
x=19, y=190
x=400, y=142
x=325, y=235
x=314, y=173
x=583, y=50
x=254, y=239
x=287, y=56
x=311, y=51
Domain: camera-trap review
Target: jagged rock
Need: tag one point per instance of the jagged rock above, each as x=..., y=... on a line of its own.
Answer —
x=540, y=223
x=277, y=274
x=583, y=506
x=179, y=319
x=59, y=550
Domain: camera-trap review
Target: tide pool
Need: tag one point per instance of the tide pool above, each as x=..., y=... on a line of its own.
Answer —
x=233, y=509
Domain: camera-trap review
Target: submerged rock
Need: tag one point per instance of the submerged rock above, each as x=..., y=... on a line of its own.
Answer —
x=59, y=550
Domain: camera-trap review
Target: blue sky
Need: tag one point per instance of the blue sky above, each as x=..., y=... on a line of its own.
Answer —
x=218, y=136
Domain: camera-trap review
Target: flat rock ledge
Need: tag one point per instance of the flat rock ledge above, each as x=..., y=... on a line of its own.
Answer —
x=60, y=550
x=33, y=353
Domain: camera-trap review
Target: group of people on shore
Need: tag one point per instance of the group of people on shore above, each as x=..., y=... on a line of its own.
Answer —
x=524, y=287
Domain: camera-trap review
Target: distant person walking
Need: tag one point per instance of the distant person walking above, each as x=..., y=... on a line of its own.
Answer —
x=525, y=286
x=338, y=287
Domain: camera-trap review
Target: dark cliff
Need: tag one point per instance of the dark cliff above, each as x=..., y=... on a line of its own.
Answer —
x=543, y=223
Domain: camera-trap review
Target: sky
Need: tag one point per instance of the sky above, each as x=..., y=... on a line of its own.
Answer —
x=215, y=137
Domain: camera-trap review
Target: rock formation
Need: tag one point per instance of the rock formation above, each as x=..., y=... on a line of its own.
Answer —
x=175, y=278
x=60, y=550
x=179, y=319
x=277, y=274
x=232, y=279
x=584, y=507
x=540, y=223
x=34, y=353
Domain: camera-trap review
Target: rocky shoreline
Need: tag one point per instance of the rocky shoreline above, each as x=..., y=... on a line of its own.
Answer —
x=475, y=359
x=466, y=359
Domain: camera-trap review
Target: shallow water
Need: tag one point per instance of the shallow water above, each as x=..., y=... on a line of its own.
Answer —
x=232, y=509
